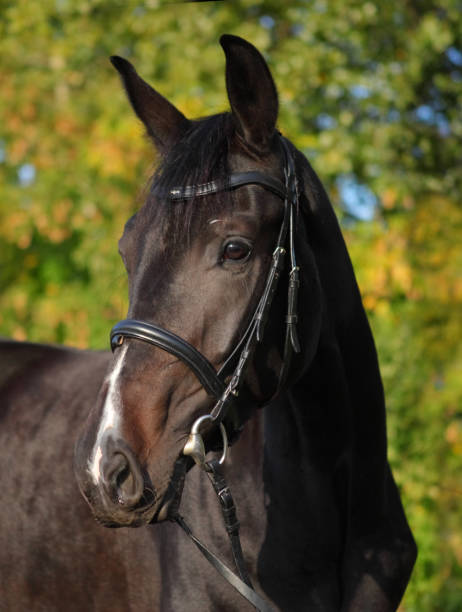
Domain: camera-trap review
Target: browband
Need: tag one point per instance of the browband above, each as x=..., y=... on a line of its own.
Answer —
x=237, y=179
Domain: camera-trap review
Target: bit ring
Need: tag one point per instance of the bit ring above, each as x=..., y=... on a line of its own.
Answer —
x=194, y=446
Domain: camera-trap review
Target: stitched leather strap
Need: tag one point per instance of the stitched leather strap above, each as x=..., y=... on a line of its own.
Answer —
x=237, y=179
x=228, y=511
x=170, y=342
x=252, y=596
x=242, y=582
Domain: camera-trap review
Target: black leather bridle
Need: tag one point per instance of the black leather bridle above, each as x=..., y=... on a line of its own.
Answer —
x=213, y=381
x=234, y=367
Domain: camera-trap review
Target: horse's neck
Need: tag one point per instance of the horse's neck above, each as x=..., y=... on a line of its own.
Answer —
x=278, y=489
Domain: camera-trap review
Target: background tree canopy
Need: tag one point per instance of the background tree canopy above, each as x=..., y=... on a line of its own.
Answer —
x=371, y=92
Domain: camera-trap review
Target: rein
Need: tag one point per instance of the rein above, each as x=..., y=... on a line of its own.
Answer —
x=213, y=381
x=240, y=582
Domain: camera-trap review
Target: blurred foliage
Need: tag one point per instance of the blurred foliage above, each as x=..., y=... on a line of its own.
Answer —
x=371, y=92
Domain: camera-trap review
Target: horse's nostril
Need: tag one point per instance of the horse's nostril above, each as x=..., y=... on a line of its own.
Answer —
x=124, y=479
x=126, y=486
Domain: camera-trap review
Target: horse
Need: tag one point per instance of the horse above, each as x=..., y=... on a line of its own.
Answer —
x=246, y=325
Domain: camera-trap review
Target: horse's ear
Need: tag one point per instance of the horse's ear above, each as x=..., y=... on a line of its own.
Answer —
x=251, y=92
x=164, y=123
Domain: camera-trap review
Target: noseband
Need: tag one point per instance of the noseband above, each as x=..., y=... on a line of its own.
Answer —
x=213, y=381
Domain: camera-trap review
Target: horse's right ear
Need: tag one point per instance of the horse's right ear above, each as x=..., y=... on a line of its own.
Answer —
x=251, y=92
x=164, y=123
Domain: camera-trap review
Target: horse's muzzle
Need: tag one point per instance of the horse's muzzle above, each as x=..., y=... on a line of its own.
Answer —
x=120, y=493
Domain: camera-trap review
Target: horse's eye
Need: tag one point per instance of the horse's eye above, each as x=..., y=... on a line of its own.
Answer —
x=236, y=250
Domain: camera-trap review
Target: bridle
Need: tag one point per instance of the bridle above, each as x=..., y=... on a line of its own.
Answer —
x=213, y=381
x=235, y=365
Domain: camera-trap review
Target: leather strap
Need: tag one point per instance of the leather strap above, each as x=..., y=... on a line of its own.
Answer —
x=170, y=342
x=242, y=582
x=291, y=343
x=237, y=179
x=228, y=511
x=252, y=596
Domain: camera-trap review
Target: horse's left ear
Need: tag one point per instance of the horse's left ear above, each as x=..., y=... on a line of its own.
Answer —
x=164, y=123
x=251, y=92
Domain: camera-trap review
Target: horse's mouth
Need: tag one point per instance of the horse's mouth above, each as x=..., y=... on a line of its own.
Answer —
x=168, y=508
x=150, y=510
x=116, y=515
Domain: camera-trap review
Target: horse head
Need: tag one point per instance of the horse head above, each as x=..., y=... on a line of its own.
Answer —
x=198, y=255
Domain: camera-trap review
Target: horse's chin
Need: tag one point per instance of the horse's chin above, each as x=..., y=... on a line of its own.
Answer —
x=132, y=518
x=123, y=517
x=167, y=511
